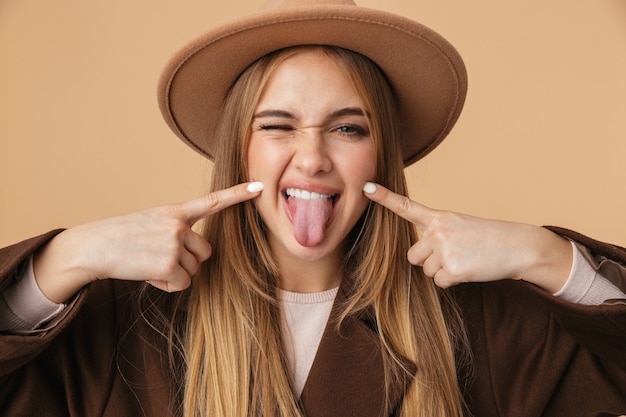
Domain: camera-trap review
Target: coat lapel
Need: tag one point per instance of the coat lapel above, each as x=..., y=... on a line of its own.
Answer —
x=347, y=377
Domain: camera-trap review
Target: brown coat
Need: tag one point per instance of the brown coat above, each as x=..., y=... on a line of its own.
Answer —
x=534, y=355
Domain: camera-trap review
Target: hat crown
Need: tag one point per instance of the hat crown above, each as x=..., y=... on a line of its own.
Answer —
x=425, y=72
x=270, y=5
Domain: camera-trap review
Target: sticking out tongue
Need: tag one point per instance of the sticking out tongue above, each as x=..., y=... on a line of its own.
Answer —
x=309, y=219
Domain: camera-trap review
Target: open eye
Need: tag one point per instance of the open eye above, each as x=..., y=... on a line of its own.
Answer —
x=352, y=130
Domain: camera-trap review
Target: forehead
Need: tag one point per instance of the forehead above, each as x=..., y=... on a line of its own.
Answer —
x=309, y=79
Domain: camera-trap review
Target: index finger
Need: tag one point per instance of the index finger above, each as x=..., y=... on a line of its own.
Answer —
x=202, y=207
x=416, y=213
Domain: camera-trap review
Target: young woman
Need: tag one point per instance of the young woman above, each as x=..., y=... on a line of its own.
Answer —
x=308, y=291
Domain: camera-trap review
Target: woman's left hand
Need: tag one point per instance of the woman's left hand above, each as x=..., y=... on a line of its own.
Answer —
x=456, y=248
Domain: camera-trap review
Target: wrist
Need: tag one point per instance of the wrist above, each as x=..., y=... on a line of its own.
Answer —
x=59, y=268
x=549, y=260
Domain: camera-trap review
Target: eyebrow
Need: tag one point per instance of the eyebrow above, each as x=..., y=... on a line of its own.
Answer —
x=283, y=114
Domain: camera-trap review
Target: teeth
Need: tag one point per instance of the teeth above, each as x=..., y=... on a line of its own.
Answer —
x=305, y=195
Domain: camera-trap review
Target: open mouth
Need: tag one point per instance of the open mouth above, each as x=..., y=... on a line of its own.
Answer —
x=309, y=212
x=309, y=195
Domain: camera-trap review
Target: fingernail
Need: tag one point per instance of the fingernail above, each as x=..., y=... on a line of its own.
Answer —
x=369, y=188
x=254, y=187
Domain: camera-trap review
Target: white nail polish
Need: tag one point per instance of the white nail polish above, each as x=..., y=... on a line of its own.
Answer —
x=369, y=188
x=254, y=187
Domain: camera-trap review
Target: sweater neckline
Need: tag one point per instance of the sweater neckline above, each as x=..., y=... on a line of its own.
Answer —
x=307, y=298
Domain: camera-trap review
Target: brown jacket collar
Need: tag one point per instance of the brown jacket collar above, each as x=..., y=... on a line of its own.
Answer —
x=347, y=377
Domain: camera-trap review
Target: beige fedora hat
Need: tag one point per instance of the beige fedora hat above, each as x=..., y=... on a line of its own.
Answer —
x=426, y=72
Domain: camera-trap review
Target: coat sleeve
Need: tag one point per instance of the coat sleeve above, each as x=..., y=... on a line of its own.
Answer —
x=100, y=359
x=602, y=330
x=606, y=259
x=17, y=349
x=537, y=355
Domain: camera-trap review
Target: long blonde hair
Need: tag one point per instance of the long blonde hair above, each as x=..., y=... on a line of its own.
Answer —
x=234, y=361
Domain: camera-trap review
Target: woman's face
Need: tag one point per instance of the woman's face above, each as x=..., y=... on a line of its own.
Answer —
x=311, y=147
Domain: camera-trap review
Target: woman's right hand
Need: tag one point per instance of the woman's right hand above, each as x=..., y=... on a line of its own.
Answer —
x=156, y=245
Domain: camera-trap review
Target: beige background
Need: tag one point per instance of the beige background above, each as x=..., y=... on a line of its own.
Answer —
x=542, y=138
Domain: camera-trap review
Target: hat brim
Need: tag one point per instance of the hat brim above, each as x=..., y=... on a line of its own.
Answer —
x=425, y=71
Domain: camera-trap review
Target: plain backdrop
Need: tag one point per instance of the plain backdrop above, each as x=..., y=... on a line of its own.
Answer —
x=542, y=138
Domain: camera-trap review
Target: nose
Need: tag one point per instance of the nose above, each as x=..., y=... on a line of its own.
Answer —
x=311, y=154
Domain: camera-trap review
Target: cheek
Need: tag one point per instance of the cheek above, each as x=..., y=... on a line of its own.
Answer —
x=252, y=160
x=260, y=158
x=267, y=161
x=361, y=165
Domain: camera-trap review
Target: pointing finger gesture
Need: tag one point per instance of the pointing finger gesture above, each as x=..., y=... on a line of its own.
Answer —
x=156, y=245
x=200, y=208
x=416, y=213
x=456, y=248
